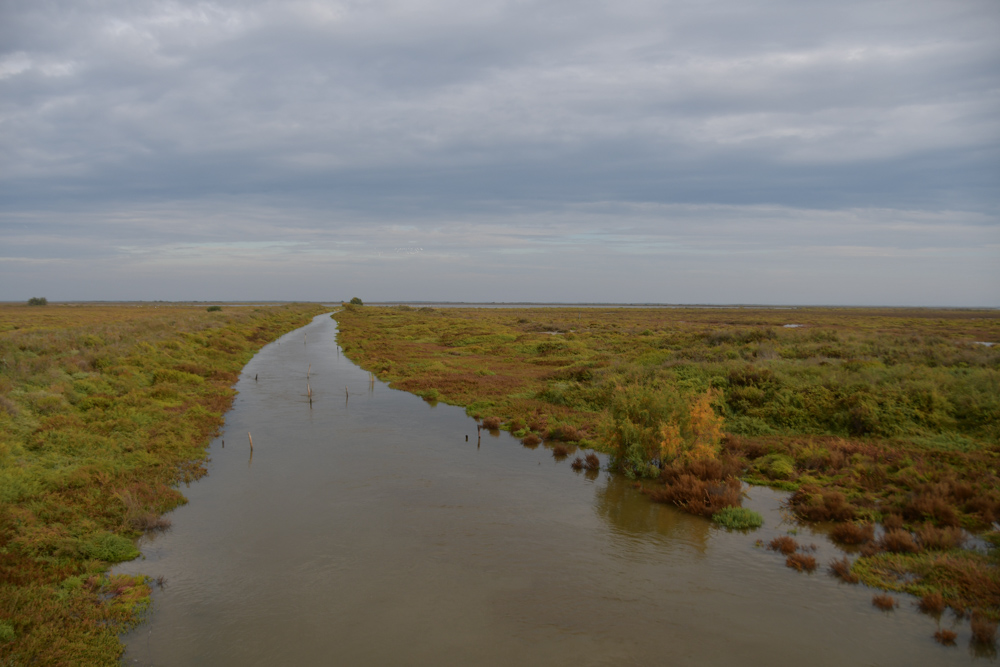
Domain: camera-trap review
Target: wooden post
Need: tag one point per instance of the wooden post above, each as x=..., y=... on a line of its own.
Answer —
x=251, y=441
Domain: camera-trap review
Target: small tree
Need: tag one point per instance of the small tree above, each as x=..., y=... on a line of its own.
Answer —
x=357, y=302
x=38, y=301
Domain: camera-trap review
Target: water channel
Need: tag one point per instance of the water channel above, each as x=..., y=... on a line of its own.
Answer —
x=366, y=530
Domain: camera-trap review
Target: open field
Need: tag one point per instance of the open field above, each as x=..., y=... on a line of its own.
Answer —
x=104, y=409
x=888, y=416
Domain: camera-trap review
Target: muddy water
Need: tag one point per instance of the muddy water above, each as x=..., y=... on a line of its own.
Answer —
x=367, y=531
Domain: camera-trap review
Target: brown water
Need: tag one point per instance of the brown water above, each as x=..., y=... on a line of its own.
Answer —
x=367, y=531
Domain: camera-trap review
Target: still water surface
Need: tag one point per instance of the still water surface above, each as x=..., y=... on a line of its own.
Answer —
x=367, y=531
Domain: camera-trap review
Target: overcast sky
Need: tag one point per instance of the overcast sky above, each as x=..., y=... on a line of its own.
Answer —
x=702, y=151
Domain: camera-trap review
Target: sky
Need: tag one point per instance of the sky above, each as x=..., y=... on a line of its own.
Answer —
x=667, y=151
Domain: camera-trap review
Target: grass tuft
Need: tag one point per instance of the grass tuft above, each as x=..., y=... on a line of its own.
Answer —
x=884, y=602
x=738, y=518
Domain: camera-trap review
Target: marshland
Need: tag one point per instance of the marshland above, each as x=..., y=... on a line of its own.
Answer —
x=550, y=486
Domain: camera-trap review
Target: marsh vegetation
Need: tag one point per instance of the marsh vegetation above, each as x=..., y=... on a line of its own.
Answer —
x=103, y=411
x=867, y=417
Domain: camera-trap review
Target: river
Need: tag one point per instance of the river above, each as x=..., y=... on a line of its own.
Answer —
x=366, y=530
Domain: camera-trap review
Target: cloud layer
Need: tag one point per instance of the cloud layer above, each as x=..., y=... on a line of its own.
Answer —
x=627, y=151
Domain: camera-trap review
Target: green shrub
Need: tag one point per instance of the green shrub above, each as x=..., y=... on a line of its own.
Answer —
x=7, y=633
x=38, y=301
x=214, y=309
x=111, y=548
x=776, y=466
x=357, y=302
x=738, y=518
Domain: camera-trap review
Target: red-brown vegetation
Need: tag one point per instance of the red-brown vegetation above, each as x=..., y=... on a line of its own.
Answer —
x=491, y=423
x=801, y=562
x=884, y=602
x=852, y=533
x=941, y=539
x=785, y=544
x=841, y=568
x=984, y=631
x=697, y=496
x=563, y=432
x=815, y=504
x=899, y=541
x=892, y=522
x=560, y=451
x=945, y=637
x=531, y=440
x=932, y=603
x=591, y=462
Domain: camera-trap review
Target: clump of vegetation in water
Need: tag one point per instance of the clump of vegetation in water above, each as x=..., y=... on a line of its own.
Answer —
x=103, y=410
x=984, y=630
x=738, y=518
x=841, y=568
x=801, y=562
x=864, y=415
x=591, y=463
x=945, y=637
x=784, y=544
x=884, y=602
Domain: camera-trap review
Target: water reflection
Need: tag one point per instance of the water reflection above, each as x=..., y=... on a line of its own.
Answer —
x=630, y=513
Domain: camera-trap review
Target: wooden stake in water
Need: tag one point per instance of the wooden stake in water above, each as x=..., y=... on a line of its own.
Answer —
x=251, y=441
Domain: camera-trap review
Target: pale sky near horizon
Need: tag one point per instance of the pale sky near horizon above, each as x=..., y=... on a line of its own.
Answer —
x=778, y=152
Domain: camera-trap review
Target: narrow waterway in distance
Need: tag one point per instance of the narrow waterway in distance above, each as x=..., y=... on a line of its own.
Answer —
x=366, y=530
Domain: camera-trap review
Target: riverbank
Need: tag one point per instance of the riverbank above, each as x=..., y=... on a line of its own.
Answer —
x=104, y=410
x=374, y=526
x=883, y=422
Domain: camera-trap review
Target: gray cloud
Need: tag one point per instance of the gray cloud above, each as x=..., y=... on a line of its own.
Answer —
x=160, y=150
